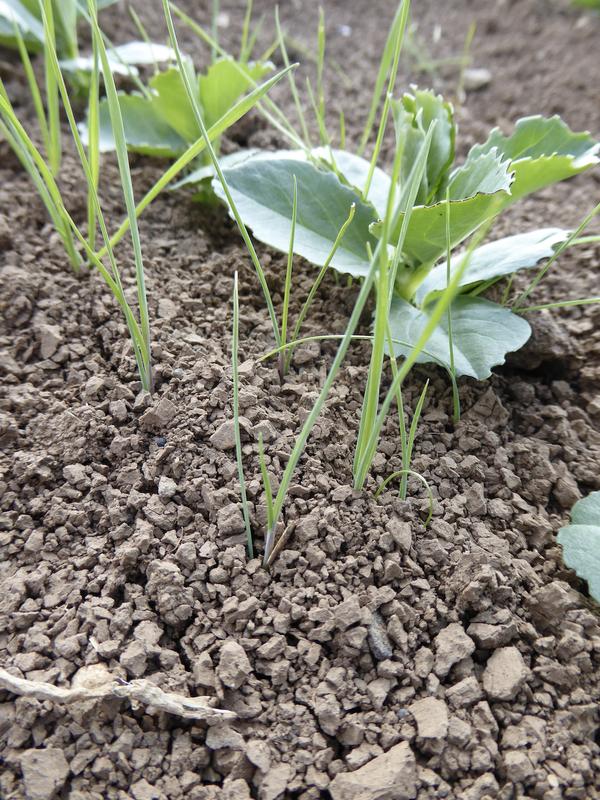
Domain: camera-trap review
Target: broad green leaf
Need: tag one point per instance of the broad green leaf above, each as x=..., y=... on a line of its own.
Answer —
x=484, y=174
x=145, y=131
x=224, y=82
x=355, y=170
x=502, y=257
x=207, y=171
x=172, y=104
x=488, y=179
x=13, y=12
x=27, y=15
x=581, y=542
x=262, y=190
x=482, y=334
x=124, y=58
x=542, y=151
x=413, y=114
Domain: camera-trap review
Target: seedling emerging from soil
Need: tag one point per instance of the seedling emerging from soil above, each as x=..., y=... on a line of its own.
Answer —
x=581, y=542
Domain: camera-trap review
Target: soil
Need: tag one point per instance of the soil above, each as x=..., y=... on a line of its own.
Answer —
x=378, y=658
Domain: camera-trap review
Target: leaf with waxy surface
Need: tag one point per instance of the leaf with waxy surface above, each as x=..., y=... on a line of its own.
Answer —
x=581, y=542
x=542, y=151
x=27, y=15
x=224, y=82
x=355, y=171
x=261, y=188
x=482, y=334
x=489, y=182
x=145, y=130
x=413, y=115
x=494, y=259
x=172, y=104
x=12, y=13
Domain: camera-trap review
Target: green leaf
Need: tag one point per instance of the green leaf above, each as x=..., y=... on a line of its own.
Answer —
x=355, y=170
x=261, y=187
x=11, y=12
x=145, y=131
x=207, y=171
x=489, y=181
x=65, y=18
x=542, y=151
x=413, y=115
x=172, y=104
x=581, y=542
x=482, y=334
x=224, y=82
x=502, y=257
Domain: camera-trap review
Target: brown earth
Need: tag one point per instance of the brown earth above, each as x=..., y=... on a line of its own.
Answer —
x=455, y=661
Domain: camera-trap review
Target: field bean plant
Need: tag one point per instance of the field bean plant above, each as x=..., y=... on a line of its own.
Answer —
x=410, y=232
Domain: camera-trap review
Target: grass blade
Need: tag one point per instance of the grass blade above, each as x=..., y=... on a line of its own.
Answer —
x=52, y=99
x=389, y=54
x=288, y=279
x=438, y=312
x=127, y=186
x=384, y=287
x=236, y=414
x=215, y=162
x=314, y=288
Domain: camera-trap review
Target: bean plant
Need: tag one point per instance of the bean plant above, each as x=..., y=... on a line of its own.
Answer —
x=581, y=542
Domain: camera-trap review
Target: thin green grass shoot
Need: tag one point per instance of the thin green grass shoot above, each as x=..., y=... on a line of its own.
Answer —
x=572, y=239
x=385, y=66
x=268, y=497
x=383, y=293
x=192, y=97
x=292, y=81
x=455, y=392
x=235, y=339
x=317, y=282
x=52, y=94
x=288, y=281
x=127, y=187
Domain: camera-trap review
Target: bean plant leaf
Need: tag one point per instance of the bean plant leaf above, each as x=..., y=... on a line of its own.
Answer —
x=355, y=171
x=542, y=151
x=482, y=334
x=172, y=104
x=476, y=194
x=26, y=14
x=145, y=130
x=207, y=171
x=492, y=260
x=224, y=82
x=12, y=13
x=581, y=542
x=413, y=114
x=262, y=188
